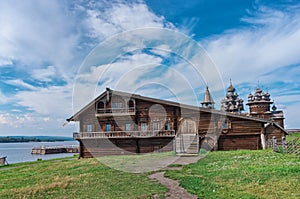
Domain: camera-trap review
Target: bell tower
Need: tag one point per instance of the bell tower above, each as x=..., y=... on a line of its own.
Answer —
x=208, y=101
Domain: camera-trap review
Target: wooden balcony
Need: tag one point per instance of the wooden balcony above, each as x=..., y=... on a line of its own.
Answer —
x=115, y=112
x=124, y=134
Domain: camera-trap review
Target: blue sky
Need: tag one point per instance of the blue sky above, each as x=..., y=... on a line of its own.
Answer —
x=45, y=48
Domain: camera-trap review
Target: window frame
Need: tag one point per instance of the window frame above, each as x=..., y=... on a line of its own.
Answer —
x=127, y=127
x=108, y=127
x=89, y=127
x=144, y=126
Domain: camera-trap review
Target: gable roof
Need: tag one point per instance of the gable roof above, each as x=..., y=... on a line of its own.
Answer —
x=165, y=102
x=278, y=126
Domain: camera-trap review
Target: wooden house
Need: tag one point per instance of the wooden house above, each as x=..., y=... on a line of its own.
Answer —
x=118, y=123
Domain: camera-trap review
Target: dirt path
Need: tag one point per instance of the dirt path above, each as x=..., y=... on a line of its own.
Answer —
x=175, y=191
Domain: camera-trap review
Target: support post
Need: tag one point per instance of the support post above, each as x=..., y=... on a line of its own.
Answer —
x=284, y=144
x=263, y=138
x=216, y=144
x=274, y=143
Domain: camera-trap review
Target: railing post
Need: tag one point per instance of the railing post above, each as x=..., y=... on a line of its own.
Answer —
x=284, y=144
x=274, y=143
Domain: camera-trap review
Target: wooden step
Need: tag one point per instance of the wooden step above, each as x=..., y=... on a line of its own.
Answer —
x=187, y=143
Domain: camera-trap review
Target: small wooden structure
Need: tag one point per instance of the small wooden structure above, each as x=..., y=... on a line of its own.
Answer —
x=55, y=149
x=3, y=160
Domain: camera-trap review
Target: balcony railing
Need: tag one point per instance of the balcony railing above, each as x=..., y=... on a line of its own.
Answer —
x=115, y=111
x=124, y=134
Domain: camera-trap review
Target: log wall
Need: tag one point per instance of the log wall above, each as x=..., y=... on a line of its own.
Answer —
x=251, y=142
x=274, y=131
x=102, y=147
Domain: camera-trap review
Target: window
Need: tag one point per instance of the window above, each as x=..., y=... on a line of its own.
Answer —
x=226, y=124
x=131, y=104
x=108, y=127
x=155, y=126
x=168, y=126
x=144, y=126
x=117, y=105
x=128, y=127
x=89, y=128
x=100, y=105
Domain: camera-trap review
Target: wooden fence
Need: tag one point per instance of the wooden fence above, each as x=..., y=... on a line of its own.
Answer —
x=291, y=147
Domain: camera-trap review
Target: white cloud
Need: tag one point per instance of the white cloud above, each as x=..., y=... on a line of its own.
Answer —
x=45, y=74
x=266, y=49
x=268, y=42
x=16, y=120
x=58, y=35
x=53, y=101
x=163, y=50
x=3, y=98
x=35, y=32
x=33, y=124
x=20, y=83
x=129, y=69
x=291, y=114
x=122, y=17
x=6, y=119
x=4, y=61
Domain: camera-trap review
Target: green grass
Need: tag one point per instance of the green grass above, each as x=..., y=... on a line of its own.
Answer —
x=139, y=163
x=222, y=174
x=292, y=136
x=72, y=178
x=242, y=174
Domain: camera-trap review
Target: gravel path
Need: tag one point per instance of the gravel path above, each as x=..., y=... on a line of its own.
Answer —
x=175, y=191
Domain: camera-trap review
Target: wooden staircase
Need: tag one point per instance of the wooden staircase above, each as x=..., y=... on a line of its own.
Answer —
x=187, y=144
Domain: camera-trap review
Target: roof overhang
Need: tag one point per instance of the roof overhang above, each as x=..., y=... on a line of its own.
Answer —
x=165, y=102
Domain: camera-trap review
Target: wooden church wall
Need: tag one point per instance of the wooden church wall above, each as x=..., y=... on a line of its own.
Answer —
x=271, y=131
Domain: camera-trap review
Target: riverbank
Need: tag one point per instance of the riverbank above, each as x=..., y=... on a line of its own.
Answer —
x=17, y=139
x=21, y=152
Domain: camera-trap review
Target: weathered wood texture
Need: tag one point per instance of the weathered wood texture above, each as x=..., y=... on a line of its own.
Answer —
x=273, y=131
x=55, y=149
x=244, y=127
x=252, y=142
x=3, y=160
x=102, y=147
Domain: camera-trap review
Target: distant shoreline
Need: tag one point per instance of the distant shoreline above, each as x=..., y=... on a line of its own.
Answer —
x=18, y=139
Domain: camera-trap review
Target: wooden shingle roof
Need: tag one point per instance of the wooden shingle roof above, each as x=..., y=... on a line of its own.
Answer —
x=164, y=102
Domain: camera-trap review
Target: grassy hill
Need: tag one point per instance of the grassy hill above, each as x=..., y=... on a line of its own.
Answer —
x=222, y=174
x=73, y=178
x=242, y=174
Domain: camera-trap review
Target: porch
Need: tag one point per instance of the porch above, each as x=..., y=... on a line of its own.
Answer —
x=124, y=134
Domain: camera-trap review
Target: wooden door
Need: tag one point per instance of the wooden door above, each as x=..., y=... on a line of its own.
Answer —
x=188, y=126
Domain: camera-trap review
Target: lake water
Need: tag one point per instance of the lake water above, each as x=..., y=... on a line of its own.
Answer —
x=21, y=151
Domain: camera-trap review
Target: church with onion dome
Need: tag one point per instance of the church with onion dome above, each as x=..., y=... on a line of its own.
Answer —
x=232, y=103
x=259, y=105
